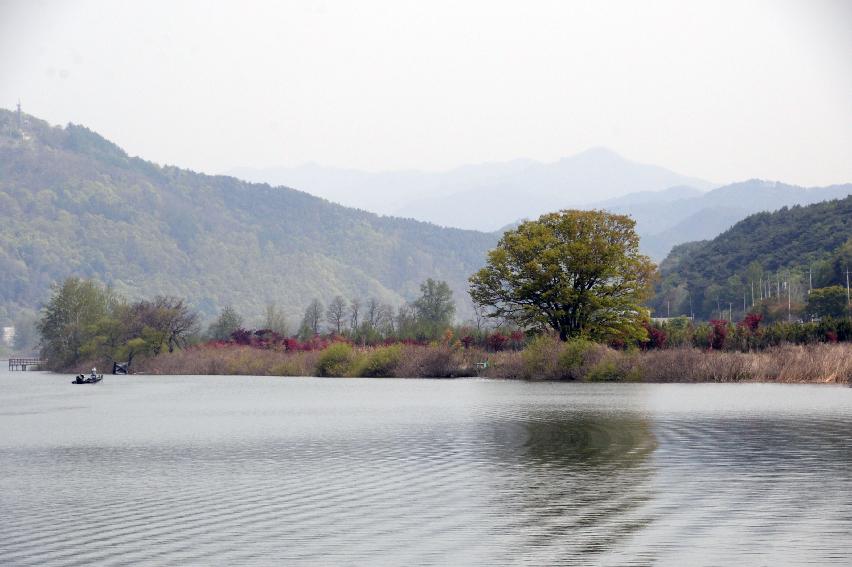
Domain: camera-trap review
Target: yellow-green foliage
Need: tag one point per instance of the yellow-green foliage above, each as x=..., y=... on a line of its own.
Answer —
x=336, y=360
x=578, y=272
x=573, y=357
x=606, y=370
x=548, y=358
x=380, y=362
x=616, y=366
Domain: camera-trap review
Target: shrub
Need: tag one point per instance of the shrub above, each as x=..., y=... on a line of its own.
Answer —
x=381, y=362
x=335, y=360
x=719, y=334
x=679, y=331
x=701, y=336
x=541, y=358
x=497, y=341
x=607, y=370
x=429, y=362
x=751, y=321
x=657, y=336
x=574, y=357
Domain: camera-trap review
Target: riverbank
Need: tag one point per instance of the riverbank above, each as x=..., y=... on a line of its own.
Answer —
x=541, y=360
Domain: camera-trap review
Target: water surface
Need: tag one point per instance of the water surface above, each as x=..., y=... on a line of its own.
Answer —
x=255, y=470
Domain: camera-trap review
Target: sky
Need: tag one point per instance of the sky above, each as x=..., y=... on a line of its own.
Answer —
x=719, y=90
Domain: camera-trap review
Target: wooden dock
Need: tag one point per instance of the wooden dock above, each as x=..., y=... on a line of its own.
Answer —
x=25, y=364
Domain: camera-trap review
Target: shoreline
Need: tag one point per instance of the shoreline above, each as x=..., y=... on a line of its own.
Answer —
x=548, y=361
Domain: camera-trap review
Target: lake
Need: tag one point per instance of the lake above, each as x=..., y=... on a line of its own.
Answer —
x=176, y=470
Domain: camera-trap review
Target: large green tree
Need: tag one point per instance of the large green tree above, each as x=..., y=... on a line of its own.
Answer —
x=579, y=273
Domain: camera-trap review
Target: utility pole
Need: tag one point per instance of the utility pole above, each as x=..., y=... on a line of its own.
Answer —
x=788, y=300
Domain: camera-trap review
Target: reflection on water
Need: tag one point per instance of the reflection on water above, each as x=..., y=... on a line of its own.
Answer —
x=591, y=481
x=217, y=470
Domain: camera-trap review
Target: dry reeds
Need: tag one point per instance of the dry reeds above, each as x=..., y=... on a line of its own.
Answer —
x=544, y=359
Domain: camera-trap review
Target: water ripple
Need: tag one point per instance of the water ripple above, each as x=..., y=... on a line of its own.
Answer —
x=395, y=472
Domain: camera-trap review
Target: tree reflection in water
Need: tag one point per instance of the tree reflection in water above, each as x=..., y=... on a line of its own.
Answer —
x=581, y=484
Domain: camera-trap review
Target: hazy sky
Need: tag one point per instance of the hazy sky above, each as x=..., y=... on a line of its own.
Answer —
x=714, y=89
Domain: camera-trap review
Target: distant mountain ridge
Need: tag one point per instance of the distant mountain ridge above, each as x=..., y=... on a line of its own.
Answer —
x=483, y=196
x=663, y=222
x=669, y=208
x=74, y=203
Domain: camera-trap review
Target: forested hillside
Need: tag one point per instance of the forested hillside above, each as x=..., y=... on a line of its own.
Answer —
x=73, y=203
x=665, y=219
x=761, y=257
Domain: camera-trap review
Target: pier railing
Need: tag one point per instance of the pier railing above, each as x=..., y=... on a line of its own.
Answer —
x=24, y=364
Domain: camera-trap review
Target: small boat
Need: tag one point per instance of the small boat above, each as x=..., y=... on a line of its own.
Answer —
x=91, y=379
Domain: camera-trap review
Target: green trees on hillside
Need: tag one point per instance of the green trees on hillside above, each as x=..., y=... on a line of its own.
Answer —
x=579, y=273
x=828, y=302
x=75, y=204
x=766, y=263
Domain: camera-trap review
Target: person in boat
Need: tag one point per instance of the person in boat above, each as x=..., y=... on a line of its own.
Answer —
x=94, y=373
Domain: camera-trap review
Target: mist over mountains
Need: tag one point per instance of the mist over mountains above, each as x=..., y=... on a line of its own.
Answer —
x=481, y=197
x=679, y=215
x=669, y=208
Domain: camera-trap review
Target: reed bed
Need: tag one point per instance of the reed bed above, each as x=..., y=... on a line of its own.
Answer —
x=542, y=359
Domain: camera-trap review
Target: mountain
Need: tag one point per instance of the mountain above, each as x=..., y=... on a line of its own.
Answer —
x=796, y=245
x=74, y=203
x=485, y=196
x=669, y=209
x=380, y=192
x=665, y=219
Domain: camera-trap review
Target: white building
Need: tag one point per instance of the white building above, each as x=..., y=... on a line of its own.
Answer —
x=8, y=335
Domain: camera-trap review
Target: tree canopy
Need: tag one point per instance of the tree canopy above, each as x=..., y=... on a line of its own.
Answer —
x=579, y=273
x=84, y=321
x=829, y=301
x=435, y=308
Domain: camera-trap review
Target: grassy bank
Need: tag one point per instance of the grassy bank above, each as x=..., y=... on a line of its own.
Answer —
x=542, y=359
